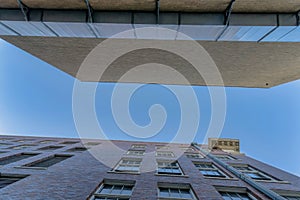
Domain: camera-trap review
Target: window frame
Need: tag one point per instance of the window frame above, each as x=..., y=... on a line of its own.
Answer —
x=189, y=155
x=120, y=163
x=16, y=177
x=131, y=152
x=212, y=168
x=179, y=186
x=168, y=154
x=138, y=146
x=159, y=169
x=123, y=183
x=250, y=169
x=238, y=190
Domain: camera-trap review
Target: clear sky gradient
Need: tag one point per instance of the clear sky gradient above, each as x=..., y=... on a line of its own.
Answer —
x=36, y=99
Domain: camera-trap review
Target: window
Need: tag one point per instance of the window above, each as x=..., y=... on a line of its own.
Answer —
x=25, y=140
x=46, y=141
x=77, y=149
x=69, y=142
x=209, y=170
x=175, y=191
x=50, y=148
x=168, y=168
x=128, y=165
x=4, y=144
x=135, y=152
x=224, y=157
x=114, y=190
x=25, y=146
x=193, y=155
x=288, y=194
x=188, y=149
x=291, y=198
x=164, y=154
x=138, y=146
x=47, y=162
x=92, y=143
x=236, y=196
x=6, y=180
x=15, y=158
x=157, y=147
x=253, y=173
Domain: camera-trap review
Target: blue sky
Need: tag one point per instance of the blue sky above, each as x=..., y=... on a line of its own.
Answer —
x=36, y=99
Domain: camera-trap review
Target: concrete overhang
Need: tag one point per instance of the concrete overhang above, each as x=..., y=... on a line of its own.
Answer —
x=255, y=45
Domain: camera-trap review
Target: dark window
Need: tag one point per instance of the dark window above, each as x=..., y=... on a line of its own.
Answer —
x=92, y=143
x=209, y=170
x=15, y=158
x=69, y=142
x=49, y=161
x=236, y=196
x=50, y=148
x=176, y=192
x=7, y=180
x=166, y=167
x=77, y=149
x=114, y=190
x=291, y=198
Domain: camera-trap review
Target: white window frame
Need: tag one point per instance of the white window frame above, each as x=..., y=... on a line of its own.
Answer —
x=164, y=154
x=211, y=167
x=133, y=152
x=138, y=146
x=236, y=190
x=170, y=186
x=193, y=155
x=224, y=157
x=254, y=171
x=113, y=183
x=168, y=165
x=124, y=163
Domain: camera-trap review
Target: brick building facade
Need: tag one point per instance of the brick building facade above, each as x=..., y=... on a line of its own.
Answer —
x=64, y=168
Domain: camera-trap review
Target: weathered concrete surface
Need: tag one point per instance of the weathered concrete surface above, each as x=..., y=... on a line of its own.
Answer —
x=275, y=6
x=242, y=64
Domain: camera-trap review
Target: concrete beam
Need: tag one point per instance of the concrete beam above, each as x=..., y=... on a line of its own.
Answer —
x=264, y=6
x=242, y=64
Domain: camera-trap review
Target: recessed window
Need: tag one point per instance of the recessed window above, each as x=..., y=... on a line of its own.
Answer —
x=51, y=148
x=138, y=146
x=135, y=152
x=4, y=144
x=157, y=147
x=175, y=191
x=14, y=158
x=128, y=165
x=6, y=180
x=46, y=141
x=236, y=196
x=25, y=146
x=193, y=155
x=288, y=194
x=209, y=170
x=188, y=149
x=92, y=143
x=168, y=168
x=291, y=198
x=114, y=190
x=49, y=161
x=24, y=140
x=77, y=149
x=69, y=142
x=253, y=173
x=164, y=154
x=224, y=157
